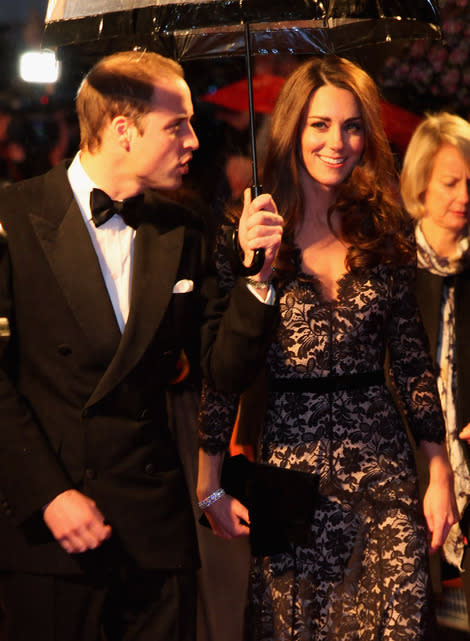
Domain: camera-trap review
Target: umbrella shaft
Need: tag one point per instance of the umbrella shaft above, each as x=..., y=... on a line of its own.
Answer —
x=256, y=187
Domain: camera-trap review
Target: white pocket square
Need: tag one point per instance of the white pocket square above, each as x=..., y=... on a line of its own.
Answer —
x=183, y=286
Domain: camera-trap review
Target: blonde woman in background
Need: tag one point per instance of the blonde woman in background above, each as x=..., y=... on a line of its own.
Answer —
x=435, y=188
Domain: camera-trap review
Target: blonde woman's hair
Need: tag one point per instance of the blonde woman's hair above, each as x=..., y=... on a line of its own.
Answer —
x=435, y=131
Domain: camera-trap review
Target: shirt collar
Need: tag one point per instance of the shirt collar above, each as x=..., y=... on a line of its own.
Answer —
x=81, y=185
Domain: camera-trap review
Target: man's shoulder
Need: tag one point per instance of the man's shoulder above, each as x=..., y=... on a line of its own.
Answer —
x=47, y=191
x=32, y=186
x=16, y=189
x=171, y=213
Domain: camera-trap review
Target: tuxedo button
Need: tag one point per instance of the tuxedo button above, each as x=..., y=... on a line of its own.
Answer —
x=150, y=468
x=144, y=414
x=6, y=508
x=4, y=325
x=64, y=350
x=90, y=474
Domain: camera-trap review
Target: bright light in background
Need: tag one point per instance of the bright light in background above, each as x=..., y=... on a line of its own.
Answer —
x=39, y=66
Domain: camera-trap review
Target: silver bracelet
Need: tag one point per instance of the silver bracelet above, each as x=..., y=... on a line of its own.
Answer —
x=211, y=499
x=257, y=284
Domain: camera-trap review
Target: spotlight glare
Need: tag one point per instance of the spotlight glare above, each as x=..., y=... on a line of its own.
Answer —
x=39, y=66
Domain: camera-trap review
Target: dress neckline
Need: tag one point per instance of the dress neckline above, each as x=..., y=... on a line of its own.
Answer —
x=315, y=281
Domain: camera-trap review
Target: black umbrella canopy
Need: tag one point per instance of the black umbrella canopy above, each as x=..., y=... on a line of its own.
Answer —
x=210, y=28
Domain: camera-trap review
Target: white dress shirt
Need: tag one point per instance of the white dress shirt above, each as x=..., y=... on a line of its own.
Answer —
x=113, y=243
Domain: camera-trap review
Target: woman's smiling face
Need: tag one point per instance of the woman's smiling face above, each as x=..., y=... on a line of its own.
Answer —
x=332, y=137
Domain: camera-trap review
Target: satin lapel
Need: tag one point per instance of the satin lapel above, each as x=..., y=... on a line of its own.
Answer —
x=72, y=258
x=156, y=260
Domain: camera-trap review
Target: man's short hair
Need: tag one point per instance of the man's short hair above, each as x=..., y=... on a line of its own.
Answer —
x=122, y=84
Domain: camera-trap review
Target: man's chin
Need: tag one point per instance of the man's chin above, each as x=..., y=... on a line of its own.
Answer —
x=167, y=185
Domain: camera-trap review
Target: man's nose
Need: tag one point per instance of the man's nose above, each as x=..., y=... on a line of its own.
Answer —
x=191, y=141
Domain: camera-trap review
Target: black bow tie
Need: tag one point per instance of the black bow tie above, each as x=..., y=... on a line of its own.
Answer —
x=103, y=208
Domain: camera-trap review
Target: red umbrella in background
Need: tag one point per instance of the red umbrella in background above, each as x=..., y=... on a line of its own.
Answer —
x=399, y=123
x=266, y=89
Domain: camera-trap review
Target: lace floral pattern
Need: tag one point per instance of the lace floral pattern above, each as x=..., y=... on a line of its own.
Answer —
x=364, y=576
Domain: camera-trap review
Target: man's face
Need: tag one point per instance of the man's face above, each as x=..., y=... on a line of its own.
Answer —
x=161, y=154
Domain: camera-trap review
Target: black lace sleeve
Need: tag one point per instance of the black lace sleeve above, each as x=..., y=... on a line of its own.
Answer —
x=217, y=415
x=410, y=361
x=218, y=410
x=237, y=330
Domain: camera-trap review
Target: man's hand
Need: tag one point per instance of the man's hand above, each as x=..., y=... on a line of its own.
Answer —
x=260, y=226
x=76, y=522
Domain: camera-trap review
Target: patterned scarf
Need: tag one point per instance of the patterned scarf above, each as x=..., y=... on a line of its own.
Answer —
x=447, y=379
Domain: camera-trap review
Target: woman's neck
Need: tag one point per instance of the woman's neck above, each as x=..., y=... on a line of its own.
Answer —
x=443, y=241
x=317, y=202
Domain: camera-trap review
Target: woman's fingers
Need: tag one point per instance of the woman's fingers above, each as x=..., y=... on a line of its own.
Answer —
x=228, y=518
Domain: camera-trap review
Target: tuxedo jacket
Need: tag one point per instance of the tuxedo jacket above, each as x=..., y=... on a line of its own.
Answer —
x=429, y=296
x=82, y=406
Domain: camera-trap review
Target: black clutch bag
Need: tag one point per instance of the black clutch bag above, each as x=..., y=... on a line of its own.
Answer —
x=280, y=502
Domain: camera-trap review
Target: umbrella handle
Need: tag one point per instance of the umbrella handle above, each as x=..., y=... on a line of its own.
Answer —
x=258, y=259
x=256, y=264
x=259, y=255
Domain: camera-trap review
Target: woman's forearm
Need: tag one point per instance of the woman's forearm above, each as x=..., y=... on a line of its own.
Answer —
x=209, y=473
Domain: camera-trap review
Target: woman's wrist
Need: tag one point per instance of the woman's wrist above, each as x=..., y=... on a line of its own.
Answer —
x=440, y=471
x=211, y=498
x=439, y=467
x=209, y=473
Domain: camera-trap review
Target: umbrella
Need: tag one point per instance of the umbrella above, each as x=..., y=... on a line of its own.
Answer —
x=235, y=96
x=399, y=124
x=195, y=29
x=208, y=28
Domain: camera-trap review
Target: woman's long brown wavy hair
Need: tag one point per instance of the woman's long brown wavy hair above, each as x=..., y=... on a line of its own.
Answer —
x=372, y=220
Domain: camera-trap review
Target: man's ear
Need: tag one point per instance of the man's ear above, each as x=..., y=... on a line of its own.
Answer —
x=122, y=130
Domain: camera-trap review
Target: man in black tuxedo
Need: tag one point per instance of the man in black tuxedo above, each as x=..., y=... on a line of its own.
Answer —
x=100, y=302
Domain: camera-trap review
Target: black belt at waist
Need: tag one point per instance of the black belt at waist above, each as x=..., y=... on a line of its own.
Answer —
x=328, y=383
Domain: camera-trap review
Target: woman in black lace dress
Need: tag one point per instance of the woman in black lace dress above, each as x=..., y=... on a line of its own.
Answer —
x=343, y=283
